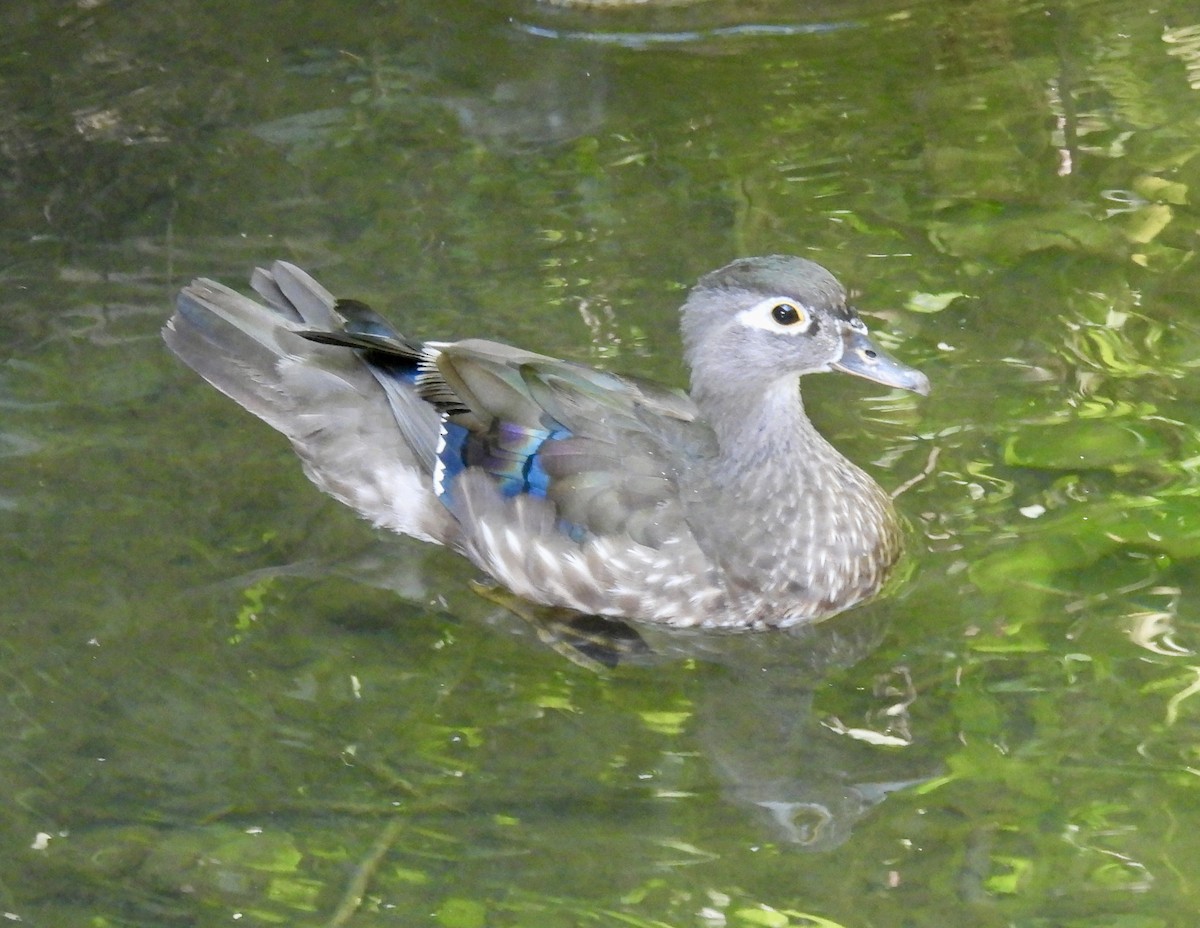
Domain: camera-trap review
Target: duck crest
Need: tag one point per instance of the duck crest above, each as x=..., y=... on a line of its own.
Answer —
x=576, y=487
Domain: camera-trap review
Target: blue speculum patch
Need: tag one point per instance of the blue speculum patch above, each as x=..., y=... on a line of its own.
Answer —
x=508, y=452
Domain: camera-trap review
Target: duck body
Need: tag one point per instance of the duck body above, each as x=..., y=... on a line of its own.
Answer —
x=575, y=487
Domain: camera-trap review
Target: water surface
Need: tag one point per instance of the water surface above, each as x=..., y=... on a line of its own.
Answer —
x=227, y=699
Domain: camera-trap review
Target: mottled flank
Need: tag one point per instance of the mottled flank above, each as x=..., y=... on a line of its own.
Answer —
x=574, y=487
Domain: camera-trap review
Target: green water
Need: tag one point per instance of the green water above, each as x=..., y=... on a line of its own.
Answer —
x=228, y=701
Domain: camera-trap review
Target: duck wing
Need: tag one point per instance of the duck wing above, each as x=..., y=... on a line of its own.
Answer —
x=606, y=450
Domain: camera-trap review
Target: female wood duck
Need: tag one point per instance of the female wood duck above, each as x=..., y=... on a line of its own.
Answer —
x=610, y=495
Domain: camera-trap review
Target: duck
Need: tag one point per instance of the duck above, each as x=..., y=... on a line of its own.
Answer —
x=719, y=507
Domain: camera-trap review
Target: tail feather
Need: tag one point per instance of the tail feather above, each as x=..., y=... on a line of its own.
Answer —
x=295, y=295
x=332, y=407
x=236, y=345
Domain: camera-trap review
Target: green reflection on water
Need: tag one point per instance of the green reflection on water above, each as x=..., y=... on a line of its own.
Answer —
x=227, y=696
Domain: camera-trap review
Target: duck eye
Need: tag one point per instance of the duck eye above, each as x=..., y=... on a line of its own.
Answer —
x=785, y=314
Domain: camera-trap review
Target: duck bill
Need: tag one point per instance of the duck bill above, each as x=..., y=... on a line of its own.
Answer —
x=862, y=358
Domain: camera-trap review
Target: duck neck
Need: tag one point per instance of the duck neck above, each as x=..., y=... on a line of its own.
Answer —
x=794, y=524
x=765, y=426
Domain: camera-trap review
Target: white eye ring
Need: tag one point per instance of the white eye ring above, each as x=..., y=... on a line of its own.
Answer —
x=779, y=314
